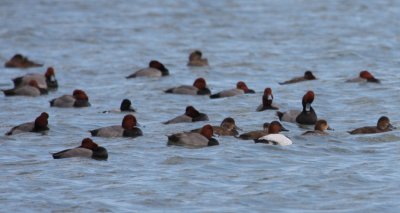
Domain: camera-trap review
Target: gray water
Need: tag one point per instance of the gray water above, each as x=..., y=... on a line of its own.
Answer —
x=93, y=45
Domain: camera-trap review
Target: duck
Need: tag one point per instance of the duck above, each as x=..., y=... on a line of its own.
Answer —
x=194, y=139
x=267, y=101
x=241, y=88
x=155, y=69
x=126, y=106
x=199, y=88
x=364, y=76
x=87, y=149
x=319, y=128
x=273, y=137
x=196, y=60
x=307, y=116
x=31, y=89
x=46, y=81
x=191, y=115
x=227, y=128
x=383, y=125
x=308, y=76
x=20, y=61
x=256, y=134
x=128, y=128
x=40, y=125
x=77, y=99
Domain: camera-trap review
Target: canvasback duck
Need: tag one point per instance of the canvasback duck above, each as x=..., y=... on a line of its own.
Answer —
x=46, y=81
x=199, y=88
x=20, y=61
x=87, y=149
x=126, y=106
x=155, y=69
x=31, y=89
x=227, y=128
x=39, y=125
x=308, y=75
x=319, y=128
x=191, y=115
x=273, y=137
x=241, y=88
x=126, y=129
x=196, y=60
x=383, y=125
x=77, y=99
x=307, y=116
x=258, y=133
x=364, y=76
x=267, y=101
x=194, y=139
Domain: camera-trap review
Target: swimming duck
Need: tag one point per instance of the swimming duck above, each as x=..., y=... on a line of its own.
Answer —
x=20, y=61
x=273, y=137
x=308, y=75
x=258, y=133
x=87, y=149
x=155, y=69
x=227, y=128
x=194, y=139
x=39, y=125
x=31, y=89
x=319, y=128
x=383, y=125
x=199, y=88
x=46, y=81
x=195, y=59
x=126, y=129
x=191, y=115
x=364, y=76
x=241, y=88
x=307, y=116
x=267, y=101
x=77, y=99
x=126, y=106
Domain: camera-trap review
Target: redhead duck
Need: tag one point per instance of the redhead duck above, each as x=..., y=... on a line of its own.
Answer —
x=87, y=149
x=273, y=136
x=39, y=125
x=227, y=128
x=307, y=116
x=194, y=139
x=20, y=61
x=199, y=88
x=258, y=133
x=77, y=99
x=46, y=81
x=126, y=129
x=383, y=125
x=196, y=60
x=364, y=76
x=31, y=89
x=267, y=101
x=191, y=115
x=308, y=75
x=241, y=88
x=319, y=128
x=155, y=69
x=126, y=106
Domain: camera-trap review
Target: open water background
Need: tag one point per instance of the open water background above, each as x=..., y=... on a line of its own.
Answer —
x=93, y=45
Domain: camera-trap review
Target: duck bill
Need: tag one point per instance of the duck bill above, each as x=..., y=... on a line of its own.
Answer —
x=392, y=127
x=284, y=129
x=329, y=128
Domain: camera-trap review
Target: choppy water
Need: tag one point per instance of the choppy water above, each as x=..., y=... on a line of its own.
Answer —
x=94, y=44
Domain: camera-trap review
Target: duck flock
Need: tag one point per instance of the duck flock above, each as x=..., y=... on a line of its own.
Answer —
x=35, y=84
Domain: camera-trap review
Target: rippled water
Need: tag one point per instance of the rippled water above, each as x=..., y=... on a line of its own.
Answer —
x=94, y=44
